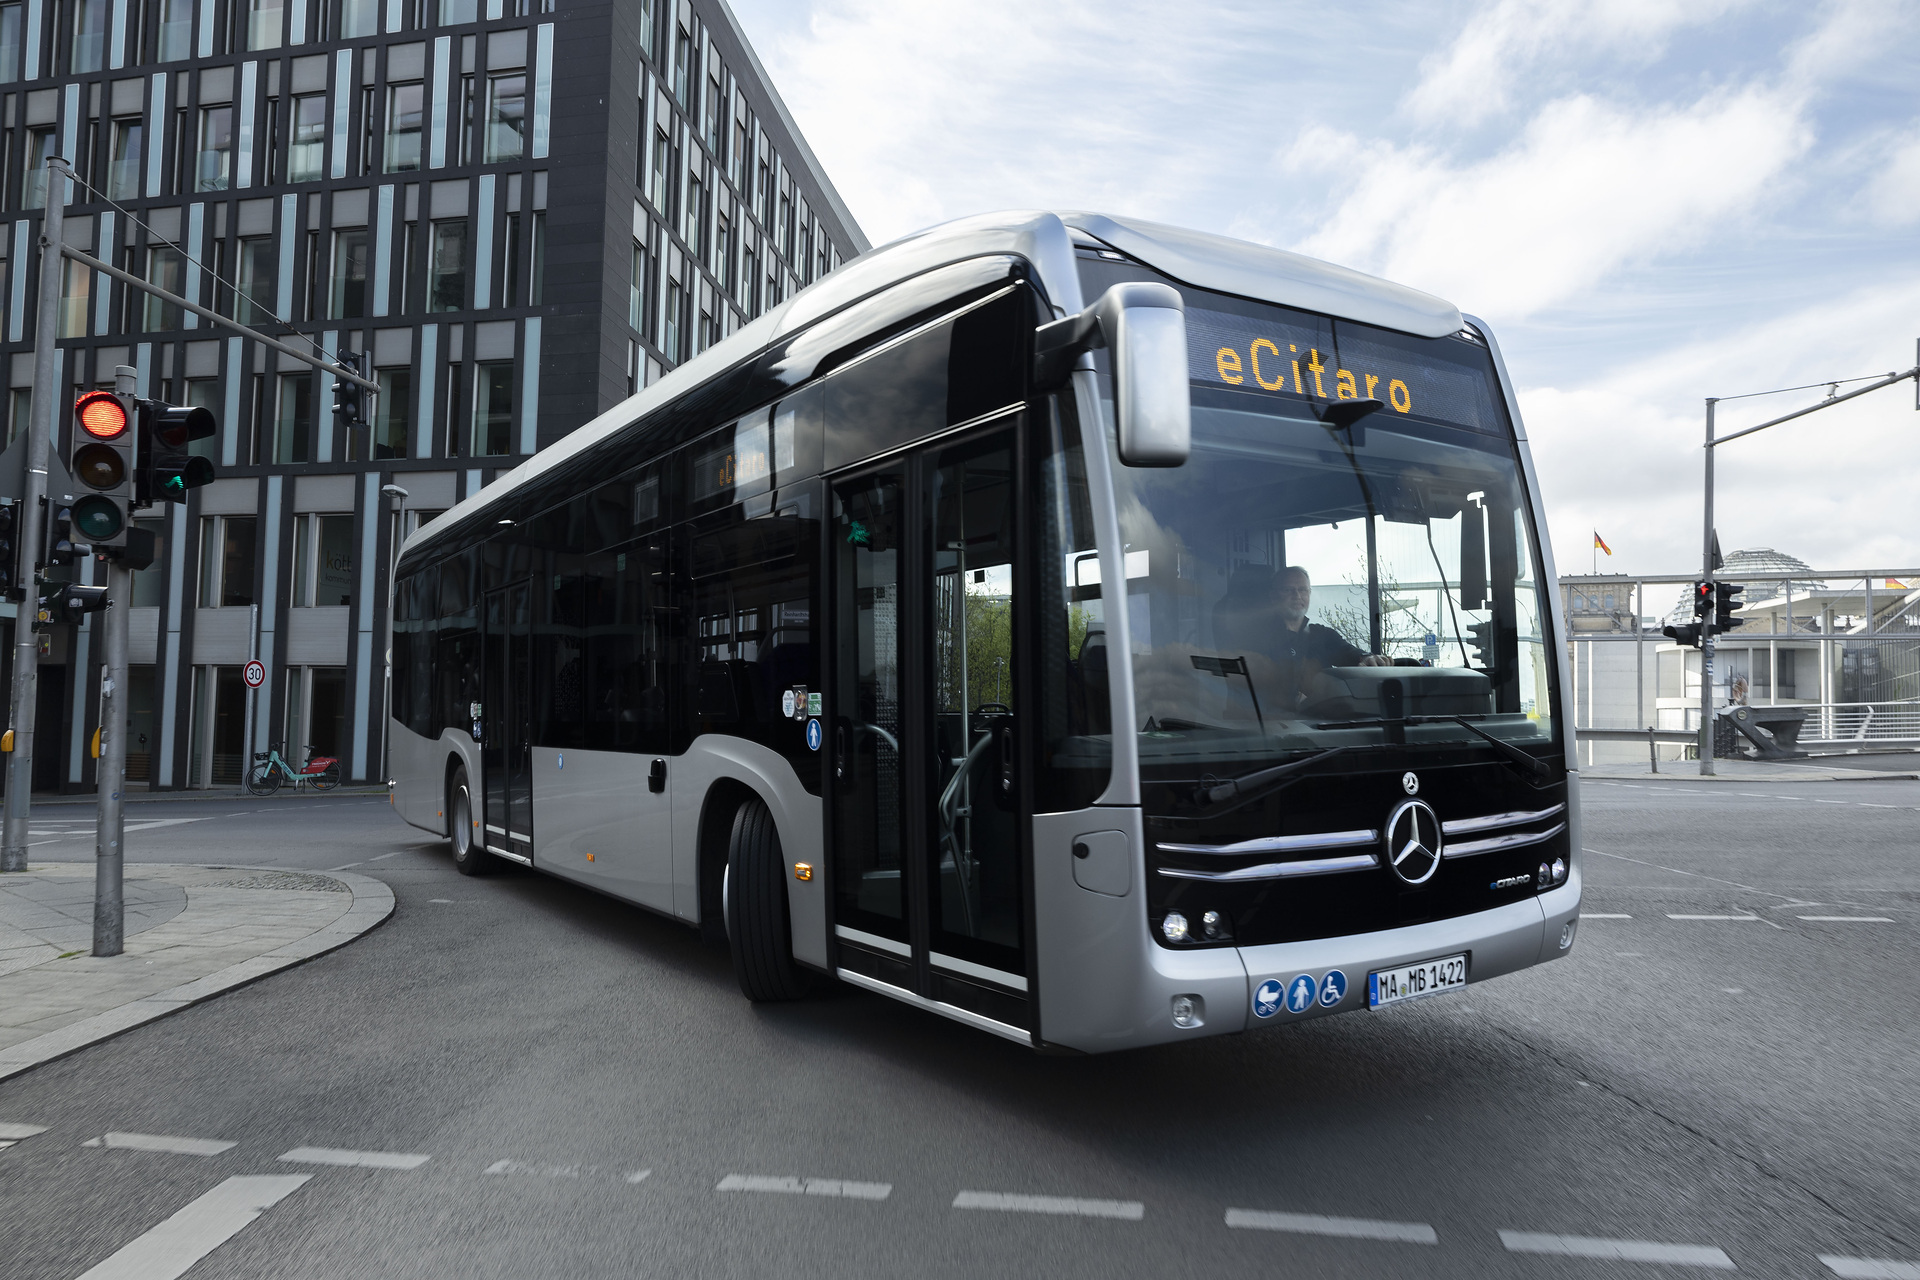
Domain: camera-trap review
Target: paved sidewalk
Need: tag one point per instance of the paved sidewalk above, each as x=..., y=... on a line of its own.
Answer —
x=192, y=932
x=1812, y=770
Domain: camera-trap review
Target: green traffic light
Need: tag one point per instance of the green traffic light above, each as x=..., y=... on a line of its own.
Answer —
x=98, y=518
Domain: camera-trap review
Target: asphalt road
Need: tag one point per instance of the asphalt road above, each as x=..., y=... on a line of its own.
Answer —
x=1740, y=1087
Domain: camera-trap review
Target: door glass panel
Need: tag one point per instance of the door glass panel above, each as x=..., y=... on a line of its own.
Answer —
x=975, y=882
x=868, y=527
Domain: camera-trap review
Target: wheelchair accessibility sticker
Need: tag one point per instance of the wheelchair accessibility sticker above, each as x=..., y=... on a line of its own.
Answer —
x=1333, y=988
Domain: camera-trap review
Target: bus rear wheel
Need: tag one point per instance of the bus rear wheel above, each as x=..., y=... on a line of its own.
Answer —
x=468, y=857
x=758, y=930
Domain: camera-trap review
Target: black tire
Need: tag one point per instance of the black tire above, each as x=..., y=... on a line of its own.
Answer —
x=758, y=931
x=469, y=858
x=263, y=779
x=328, y=778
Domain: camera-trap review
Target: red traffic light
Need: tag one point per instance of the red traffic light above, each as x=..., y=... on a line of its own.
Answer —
x=101, y=415
x=1702, y=599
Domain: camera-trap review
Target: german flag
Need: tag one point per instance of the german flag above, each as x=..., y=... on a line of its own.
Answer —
x=1599, y=545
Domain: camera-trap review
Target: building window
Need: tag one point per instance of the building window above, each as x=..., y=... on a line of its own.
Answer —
x=307, y=157
x=716, y=141
x=493, y=408
x=322, y=561
x=657, y=190
x=76, y=299
x=293, y=419
x=214, y=169
x=317, y=711
x=359, y=18
x=404, y=107
x=9, y=43
x=256, y=282
x=176, y=30
x=454, y=13
x=123, y=164
x=394, y=416
x=506, y=117
x=165, y=270
x=509, y=273
x=348, y=295
x=89, y=36
x=227, y=553
x=682, y=54
x=33, y=177
x=150, y=584
x=637, y=290
x=676, y=311
x=204, y=393
x=537, y=272
x=447, y=266
x=19, y=411
x=266, y=27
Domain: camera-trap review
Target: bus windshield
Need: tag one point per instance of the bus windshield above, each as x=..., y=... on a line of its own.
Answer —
x=1304, y=582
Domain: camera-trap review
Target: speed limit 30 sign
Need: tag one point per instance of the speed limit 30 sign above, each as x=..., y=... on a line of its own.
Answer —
x=254, y=673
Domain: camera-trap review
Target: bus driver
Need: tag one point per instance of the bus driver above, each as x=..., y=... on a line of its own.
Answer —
x=1266, y=613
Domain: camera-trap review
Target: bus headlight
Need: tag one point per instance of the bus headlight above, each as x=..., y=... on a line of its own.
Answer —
x=1174, y=927
x=1559, y=870
x=1214, y=927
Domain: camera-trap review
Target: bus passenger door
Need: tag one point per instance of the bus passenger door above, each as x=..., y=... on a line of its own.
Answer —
x=926, y=831
x=505, y=753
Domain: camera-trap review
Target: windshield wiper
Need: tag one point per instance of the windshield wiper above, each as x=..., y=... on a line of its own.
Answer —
x=1530, y=762
x=1262, y=782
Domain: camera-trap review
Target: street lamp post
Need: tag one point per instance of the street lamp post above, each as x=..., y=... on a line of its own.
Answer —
x=397, y=498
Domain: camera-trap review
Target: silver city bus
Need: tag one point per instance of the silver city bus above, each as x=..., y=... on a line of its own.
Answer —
x=1094, y=632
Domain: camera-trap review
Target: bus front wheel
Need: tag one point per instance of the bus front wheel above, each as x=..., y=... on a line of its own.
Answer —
x=468, y=857
x=755, y=893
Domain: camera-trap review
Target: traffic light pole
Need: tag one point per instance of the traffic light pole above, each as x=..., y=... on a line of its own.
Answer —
x=109, y=849
x=33, y=523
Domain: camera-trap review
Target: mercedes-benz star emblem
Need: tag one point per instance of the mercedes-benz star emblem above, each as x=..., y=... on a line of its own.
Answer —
x=1413, y=841
x=1410, y=784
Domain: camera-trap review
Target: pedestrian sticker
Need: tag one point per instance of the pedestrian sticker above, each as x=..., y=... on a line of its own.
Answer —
x=1300, y=993
x=1333, y=988
x=813, y=735
x=1266, y=999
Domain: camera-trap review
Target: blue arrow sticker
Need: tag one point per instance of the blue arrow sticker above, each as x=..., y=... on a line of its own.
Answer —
x=813, y=735
x=1266, y=999
x=1333, y=988
x=1300, y=993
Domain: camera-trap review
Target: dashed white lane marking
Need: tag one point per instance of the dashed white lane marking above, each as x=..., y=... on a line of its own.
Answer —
x=160, y=1142
x=345, y=866
x=1603, y=915
x=564, y=1171
x=836, y=1187
x=1672, y=916
x=384, y=856
x=447, y=901
x=1130, y=1210
x=1870, y=1268
x=1676, y=1255
x=1313, y=1224
x=1851, y=919
x=171, y=1248
x=15, y=1132
x=355, y=1159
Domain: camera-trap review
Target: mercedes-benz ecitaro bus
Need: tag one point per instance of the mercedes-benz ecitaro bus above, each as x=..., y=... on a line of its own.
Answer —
x=1098, y=633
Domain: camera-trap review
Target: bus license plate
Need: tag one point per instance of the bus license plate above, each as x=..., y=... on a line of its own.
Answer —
x=1410, y=982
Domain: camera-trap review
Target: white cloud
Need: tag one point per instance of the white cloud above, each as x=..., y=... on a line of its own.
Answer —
x=1584, y=190
x=1501, y=46
x=1893, y=192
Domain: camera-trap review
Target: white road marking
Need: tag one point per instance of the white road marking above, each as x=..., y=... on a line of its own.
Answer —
x=1672, y=916
x=836, y=1187
x=1602, y=915
x=448, y=901
x=384, y=856
x=160, y=1142
x=1313, y=1224
x=344, y=866
x=1870, y=1268
x=1677, y=1255
x=15, y=1132
x=355, y=1159
x=151, y=823
x=638, y=1175
x=1851, y=919
x=173, y=1247
x=1130, y=1210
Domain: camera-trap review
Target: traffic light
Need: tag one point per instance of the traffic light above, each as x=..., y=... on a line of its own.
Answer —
x=60, y=548
x=1481, y=643
x=73, y=603
x=167, y=470
x=1702, y=599
x=350, y=398
x=1726, y=598
x=9, y=536
x=1686, y=635
x=103, y=458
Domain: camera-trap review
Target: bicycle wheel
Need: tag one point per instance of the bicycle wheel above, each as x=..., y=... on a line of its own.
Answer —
x=328, y=778
x=264, y=779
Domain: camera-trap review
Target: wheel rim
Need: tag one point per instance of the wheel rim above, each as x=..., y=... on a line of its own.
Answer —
x=461, y=823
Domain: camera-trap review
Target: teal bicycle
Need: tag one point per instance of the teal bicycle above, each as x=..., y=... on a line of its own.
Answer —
x=270, y=770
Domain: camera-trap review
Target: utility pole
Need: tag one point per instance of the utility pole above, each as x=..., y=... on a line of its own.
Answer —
x=47, y=405
x=109, y=848
x=1706, y=623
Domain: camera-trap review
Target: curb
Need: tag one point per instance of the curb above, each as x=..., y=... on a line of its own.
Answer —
x=372, y=905
x=1844, y=775
x=210, y=793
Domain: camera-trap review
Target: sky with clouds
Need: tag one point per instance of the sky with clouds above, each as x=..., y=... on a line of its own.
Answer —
x=1649, y=201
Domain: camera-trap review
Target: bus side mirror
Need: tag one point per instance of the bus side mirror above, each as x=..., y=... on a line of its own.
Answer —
x=1144, y=326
